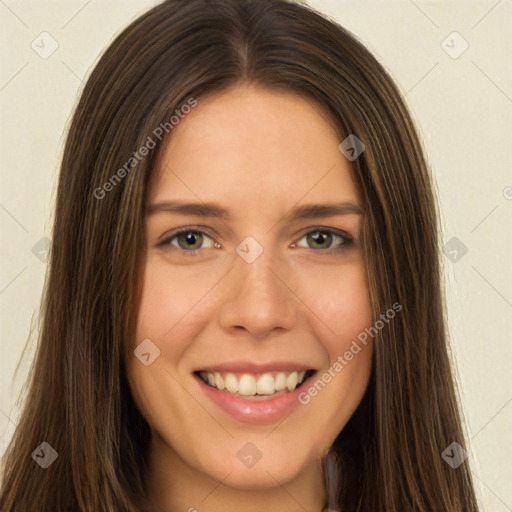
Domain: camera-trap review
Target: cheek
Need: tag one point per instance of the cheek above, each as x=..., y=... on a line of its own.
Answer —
x=173, y=303
x=343, y=311
x=340, y=302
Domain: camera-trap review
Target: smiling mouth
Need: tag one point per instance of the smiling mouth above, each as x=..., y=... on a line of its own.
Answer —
x=256, y=386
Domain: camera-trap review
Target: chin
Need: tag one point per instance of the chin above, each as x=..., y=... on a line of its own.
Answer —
x=275, y=469
x=260, y=478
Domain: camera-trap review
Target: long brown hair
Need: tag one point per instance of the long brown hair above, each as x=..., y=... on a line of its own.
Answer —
x=78, y=400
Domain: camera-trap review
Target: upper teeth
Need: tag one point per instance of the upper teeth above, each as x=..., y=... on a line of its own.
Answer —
x=250, y=384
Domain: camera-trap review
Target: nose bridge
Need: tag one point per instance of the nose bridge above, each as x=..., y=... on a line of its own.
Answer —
x=254, y=269
x=256, y=297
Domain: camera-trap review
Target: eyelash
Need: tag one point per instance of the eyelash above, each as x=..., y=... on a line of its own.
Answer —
x=347, y=240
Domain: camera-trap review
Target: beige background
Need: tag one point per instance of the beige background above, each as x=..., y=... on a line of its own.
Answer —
x=463, y=107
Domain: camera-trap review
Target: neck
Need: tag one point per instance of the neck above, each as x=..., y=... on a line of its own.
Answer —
x=174, y=485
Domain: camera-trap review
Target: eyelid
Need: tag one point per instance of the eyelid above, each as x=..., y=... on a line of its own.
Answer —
x=195, y=228
x=326, y=229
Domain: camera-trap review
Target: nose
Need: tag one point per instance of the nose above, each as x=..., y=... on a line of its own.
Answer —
x=258, y=297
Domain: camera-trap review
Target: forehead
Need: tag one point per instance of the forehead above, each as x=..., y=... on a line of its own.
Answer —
x=248, y=144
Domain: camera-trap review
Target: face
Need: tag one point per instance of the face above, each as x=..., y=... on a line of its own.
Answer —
x=256, y=294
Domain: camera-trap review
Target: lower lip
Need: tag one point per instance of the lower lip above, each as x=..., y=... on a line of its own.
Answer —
x=260, y=411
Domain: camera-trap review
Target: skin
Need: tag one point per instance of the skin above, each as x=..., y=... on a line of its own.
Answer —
x=259, y=154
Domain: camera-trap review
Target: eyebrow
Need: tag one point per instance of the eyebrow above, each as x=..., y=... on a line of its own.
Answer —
x=308, y=211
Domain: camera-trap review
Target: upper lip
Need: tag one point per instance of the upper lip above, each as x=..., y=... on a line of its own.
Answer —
x=251, y=367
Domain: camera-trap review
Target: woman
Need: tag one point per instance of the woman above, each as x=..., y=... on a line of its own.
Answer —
x=254, y=368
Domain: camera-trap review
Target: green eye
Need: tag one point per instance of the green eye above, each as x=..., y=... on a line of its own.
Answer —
x=187, y=239
x=193, y=238
x=322, y=239
x=319, y=237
